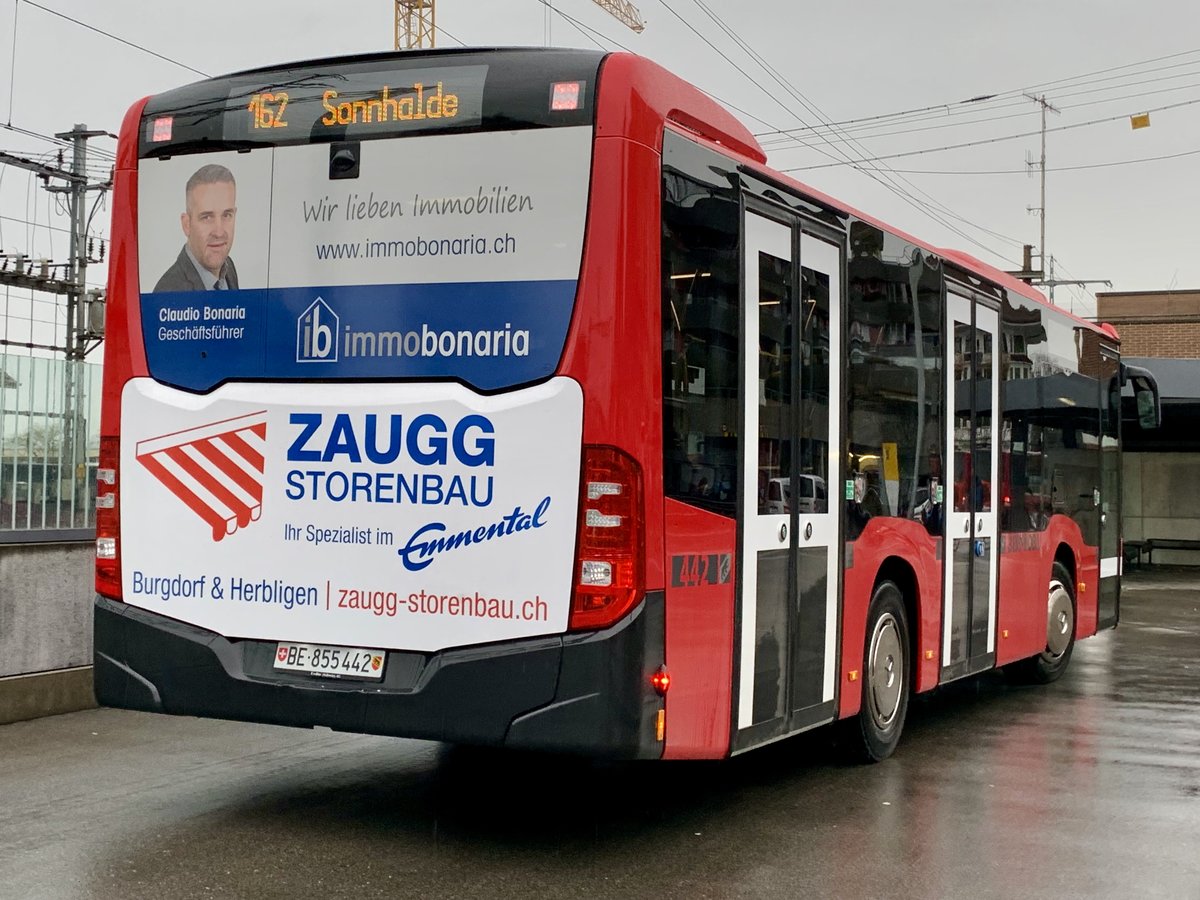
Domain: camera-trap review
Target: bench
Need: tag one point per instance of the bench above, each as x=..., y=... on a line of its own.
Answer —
x=1152, y=544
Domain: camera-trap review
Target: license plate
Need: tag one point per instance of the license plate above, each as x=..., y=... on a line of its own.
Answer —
x=331, y=662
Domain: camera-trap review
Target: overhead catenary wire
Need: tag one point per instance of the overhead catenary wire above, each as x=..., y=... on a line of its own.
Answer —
x=783, y=139
x=829, y=153
x=995, y=140
x=577, y=25
x=1080, y=291
x=750, y=78
x=1000, y=99
x=886, y=180
x=1046, y=85
x=588, y=33
x=1084, y=166
x=1107, y=100
x=441, y=30
x=114, y=37
x=16, y=129
x=12, y=75
x=888, y=183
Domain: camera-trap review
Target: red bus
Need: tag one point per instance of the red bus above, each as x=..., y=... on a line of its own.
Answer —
x=536, y=411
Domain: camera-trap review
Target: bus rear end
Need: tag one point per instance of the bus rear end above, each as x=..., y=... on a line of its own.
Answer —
x=344, y=478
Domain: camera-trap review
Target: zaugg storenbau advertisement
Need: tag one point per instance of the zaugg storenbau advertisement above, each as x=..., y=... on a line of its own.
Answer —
x=273, y=485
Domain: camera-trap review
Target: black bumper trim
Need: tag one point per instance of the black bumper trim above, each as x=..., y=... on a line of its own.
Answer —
x=580, y=693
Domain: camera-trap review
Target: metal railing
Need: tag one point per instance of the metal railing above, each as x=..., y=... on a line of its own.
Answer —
x=49, y=441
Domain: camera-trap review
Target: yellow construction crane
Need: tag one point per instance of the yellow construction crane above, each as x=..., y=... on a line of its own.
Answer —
x=415, y=24
x=415, y=28
x=624, y=12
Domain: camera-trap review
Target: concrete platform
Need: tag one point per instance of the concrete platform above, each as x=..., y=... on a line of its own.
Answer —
x=45, y=694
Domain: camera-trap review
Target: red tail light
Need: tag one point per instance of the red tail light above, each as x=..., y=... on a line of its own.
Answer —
x=108, y=519
x=661, y=680
x=609, y=559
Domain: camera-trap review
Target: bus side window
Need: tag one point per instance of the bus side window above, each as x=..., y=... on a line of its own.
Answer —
x=895, y=324
x=701, y=304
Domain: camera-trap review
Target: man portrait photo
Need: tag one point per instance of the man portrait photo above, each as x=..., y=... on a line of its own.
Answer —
x=208, y=224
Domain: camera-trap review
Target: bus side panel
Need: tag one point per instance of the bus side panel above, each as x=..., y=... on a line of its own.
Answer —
x=1021, y=600
x=885, y=537
x=613, y=344
x=1087, y=591
x=1024, y=577
x=701, y=584
x=1065, y=530
x=126, y=356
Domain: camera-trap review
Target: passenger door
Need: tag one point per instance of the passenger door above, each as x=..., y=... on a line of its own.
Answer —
x=791, y=402
x=971, y=540
x=1110, y=488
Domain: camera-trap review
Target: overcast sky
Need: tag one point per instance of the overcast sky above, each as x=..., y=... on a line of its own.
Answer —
x=1116, y=209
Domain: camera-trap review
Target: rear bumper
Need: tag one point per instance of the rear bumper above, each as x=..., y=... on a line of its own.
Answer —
x=586, y=693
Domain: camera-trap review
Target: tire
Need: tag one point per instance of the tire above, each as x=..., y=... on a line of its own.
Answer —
x=1050, y=664
x=873, y=734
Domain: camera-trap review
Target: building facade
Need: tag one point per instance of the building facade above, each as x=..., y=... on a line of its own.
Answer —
x=1160, y=331
x=1162, y=324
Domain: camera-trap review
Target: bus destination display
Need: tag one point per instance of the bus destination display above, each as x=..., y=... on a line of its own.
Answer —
x=317, y=106
x=412, y=103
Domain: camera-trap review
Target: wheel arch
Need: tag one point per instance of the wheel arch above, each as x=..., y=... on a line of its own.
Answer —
x=1049, y=664
x=1065, y=555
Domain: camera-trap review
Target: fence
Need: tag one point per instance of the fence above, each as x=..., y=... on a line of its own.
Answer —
x=49, y=441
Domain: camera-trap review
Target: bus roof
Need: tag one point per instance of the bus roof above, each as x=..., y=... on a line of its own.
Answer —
x=687, y=106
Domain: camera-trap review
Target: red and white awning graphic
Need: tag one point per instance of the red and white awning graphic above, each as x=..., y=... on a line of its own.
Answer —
x=216, y=469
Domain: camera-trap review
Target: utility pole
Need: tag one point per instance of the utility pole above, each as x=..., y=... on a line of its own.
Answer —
x=1045, y=105
x=1027, y=273
x=77, y=262
x=78, y=333
x=1051, y=282
x=20, y=269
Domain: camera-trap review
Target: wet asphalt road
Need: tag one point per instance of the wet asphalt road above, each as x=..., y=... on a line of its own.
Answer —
x=1086, y=788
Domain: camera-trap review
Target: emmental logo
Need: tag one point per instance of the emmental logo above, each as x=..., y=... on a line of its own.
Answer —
x=317, y=334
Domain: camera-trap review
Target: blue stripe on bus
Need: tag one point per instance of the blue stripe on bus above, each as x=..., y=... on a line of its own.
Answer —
x=490, y=335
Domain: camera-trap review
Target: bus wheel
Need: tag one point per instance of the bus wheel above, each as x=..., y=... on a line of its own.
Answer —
x=873, y=734
x=1049, y=665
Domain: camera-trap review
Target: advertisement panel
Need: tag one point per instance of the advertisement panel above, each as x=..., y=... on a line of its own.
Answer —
x=312, y=459
x=443, y=256
x=411, y=517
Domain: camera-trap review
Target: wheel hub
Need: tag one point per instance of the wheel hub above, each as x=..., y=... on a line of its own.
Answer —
x=886, y=671
x=1060, y=619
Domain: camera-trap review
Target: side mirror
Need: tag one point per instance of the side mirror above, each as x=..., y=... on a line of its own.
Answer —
x=1147, y=409
x=1146, y=395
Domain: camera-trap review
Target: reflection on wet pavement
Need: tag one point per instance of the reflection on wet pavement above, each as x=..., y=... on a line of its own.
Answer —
x=1087, y=788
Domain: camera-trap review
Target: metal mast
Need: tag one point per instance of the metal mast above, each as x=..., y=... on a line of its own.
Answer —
x=415, y=24
x=78, y=332
x=1045, y=105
